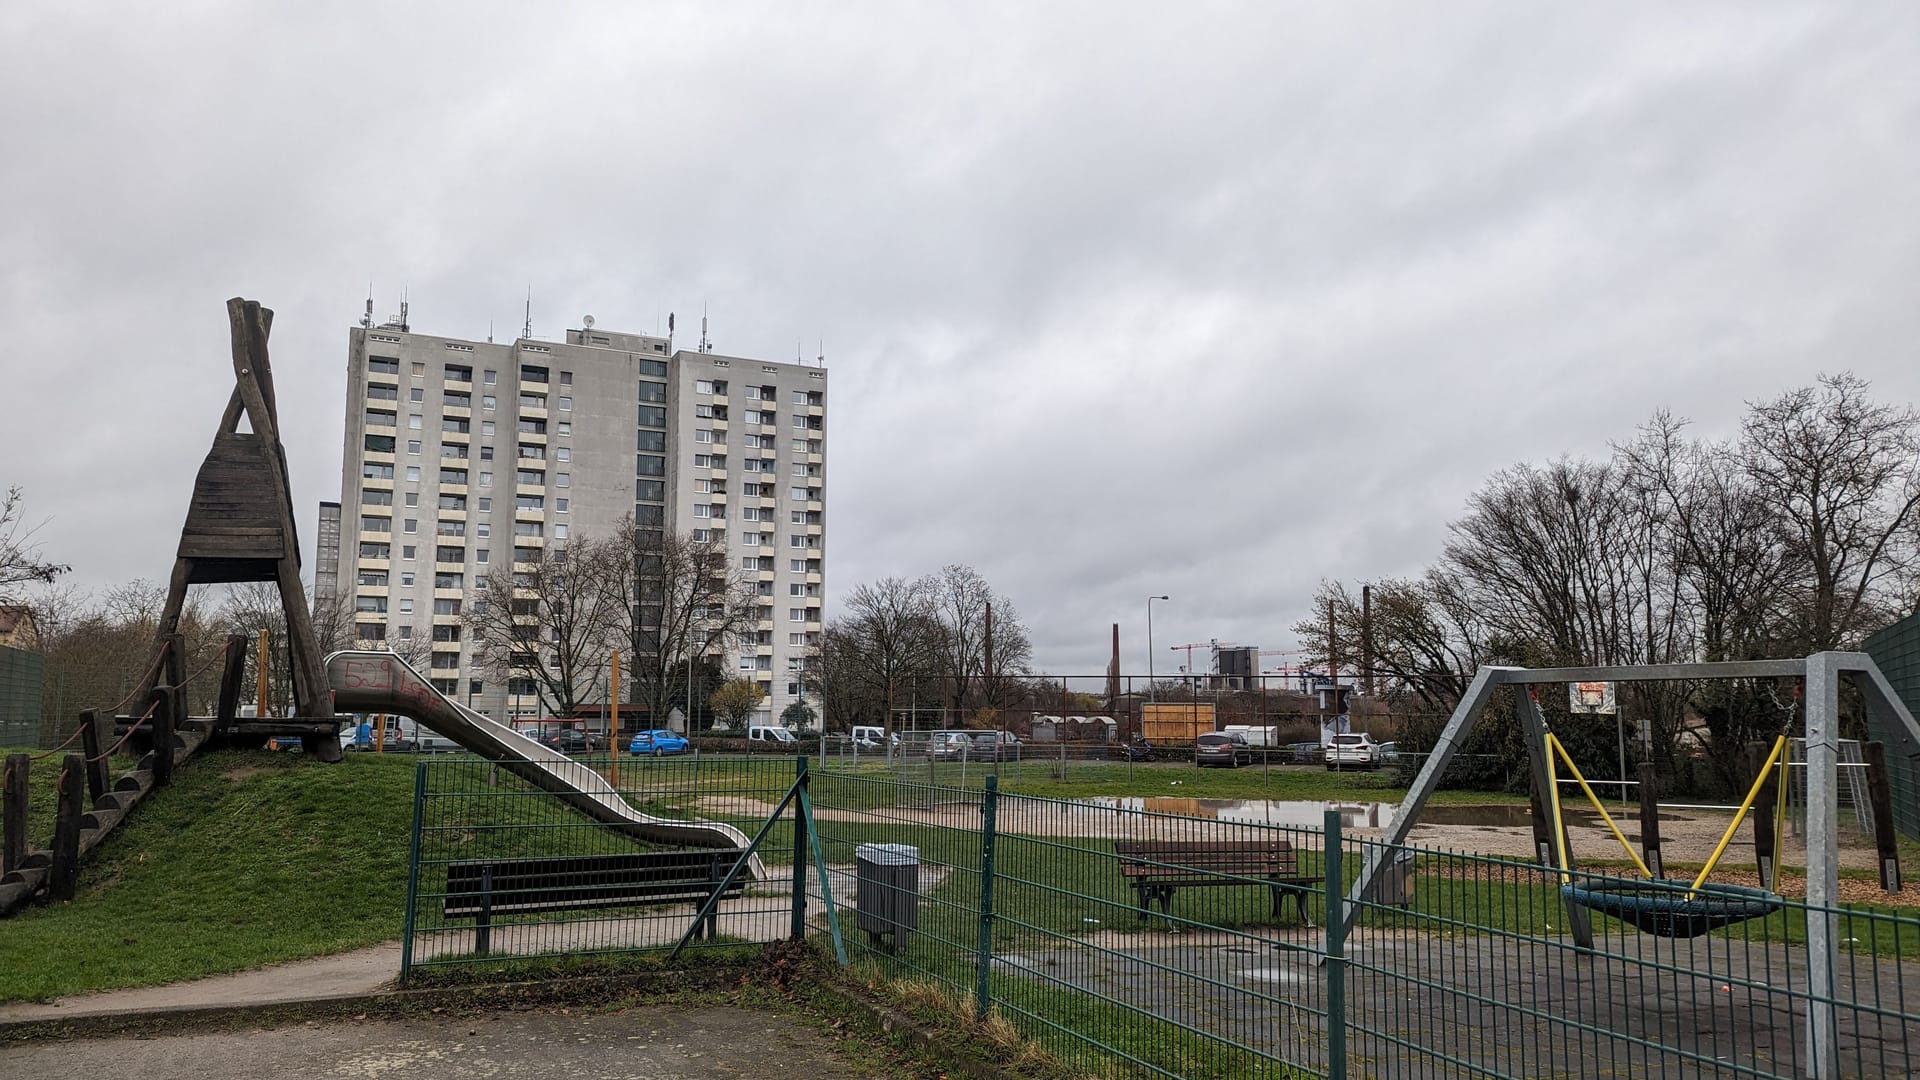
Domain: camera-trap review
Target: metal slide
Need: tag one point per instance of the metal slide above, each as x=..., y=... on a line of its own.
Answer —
x=365, y=681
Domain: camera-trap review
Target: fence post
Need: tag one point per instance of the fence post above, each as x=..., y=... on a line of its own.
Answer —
x=13, y=812
x=96, y=762
x=1336, y=922
x=983, y=962
x=162, y=729
x=1880, y=805
x=802, y=779
x=65, y=878
x=413, y=869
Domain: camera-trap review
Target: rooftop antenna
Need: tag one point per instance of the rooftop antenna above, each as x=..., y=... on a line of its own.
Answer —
x=489, y=331
x=823, y=352
x=526, y=330
x=366, y=320
x=705, y=345
x=403, y=310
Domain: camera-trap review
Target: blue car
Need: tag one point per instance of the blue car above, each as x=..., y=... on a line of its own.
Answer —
x=657, y=742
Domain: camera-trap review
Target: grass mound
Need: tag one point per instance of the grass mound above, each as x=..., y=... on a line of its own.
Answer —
x=247, y=859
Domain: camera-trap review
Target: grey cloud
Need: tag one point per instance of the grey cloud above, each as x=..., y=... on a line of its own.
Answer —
x=1209, y=300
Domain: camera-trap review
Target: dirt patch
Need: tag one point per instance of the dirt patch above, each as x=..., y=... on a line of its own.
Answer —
x=241, y=772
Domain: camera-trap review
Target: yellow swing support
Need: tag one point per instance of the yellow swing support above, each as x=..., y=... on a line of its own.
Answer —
x=1777, y=757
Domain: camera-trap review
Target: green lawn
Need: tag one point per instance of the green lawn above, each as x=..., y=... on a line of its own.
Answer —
x=1081, y=779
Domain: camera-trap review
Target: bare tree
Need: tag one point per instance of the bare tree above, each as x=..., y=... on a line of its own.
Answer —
x=1843, y=474
x=977, y=667
x=548, y=622
x=677, y=606
x=20, y=560
x=891, y=634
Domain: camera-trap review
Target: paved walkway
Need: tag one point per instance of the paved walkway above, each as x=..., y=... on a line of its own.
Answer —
x=348, y=974
x=671, y=1043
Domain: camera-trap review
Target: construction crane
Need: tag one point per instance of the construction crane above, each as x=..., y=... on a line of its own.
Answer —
x=1192, y=645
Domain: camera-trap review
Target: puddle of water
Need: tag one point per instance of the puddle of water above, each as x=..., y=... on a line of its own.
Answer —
x=1308, y=814
x=1270, y=975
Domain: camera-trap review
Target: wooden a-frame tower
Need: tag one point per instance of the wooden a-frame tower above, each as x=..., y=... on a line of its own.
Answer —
x=240, y=527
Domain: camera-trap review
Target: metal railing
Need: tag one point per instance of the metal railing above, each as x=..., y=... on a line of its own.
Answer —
x=1130, y=942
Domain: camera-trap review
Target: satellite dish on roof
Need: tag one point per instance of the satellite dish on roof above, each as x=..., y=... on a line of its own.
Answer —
x=586, y=321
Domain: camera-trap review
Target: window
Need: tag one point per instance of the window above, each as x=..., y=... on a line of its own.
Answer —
x=559, y=506
x=380, y=444
x=419, y=370
x=443, y=661
x=529, y=476
x=444, y=553
x=650, y=515
x=749, y=562
x=370, y=603
x=529, y=502
x=413, y=447
x=650, y=490
x=453, y=502
x=703, y=461
x=559, y=532
x=799, y=397
x=384, y=365
x=376, y=524
x=382, y=393
x=796, y=614
x=532, y=427
x=450, y=528
x=480, y=556
x=446, y=633
x=411, y=525
x=371, y=471
x=413, y=421
x=370, y=631
x=406, y=579
x=566, y=404
x=562, y=479
x=486, y=479
x=799, y=446
x=529, y=528
x=486, y=453
x=655, y=368
x=703, y=412
x=796, y=565
x=457, y=399
x=491, y=378
x=653, y=416
x=416, y=394
x=456, y=451
x=531, y=452
x=563, y=429
x=700, y=510
x=702, y=536
x=563, y=454
x=796, y=541
x=483, y=530
x=455, y=423
x=703, y=435
x=373, y=577
x=650, y=465
x=375, y=551
x=796, y=493
x=372, y=497
x=449, y=581
x=751, y=539
x=797, y=517
x=799, y=420
x=702, y=386
x=487, y=402
x=459, y=373
x=533, y=401
x=406, y=551
x=446, y=607
x=532, y=374
x=486, y=428
x=485, y=505
x=406, y=607
x=451, y=476
x=799, y=468
x=566, y=378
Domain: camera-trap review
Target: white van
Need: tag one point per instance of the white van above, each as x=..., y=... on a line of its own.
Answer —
x=871, y=736
x=770, y=734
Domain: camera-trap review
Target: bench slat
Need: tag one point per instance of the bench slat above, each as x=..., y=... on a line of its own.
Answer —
x=562, y=883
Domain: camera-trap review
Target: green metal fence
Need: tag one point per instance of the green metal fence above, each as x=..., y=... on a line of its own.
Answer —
x=1896, y=651
x=1135, y=943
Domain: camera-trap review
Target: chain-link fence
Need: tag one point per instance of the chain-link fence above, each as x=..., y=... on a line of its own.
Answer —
x=1133, y=942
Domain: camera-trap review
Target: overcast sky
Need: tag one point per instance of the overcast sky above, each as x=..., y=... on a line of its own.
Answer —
x=1212, y=301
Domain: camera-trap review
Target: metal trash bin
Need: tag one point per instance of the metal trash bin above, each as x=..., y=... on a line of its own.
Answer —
x=1396, y=879
x=887, y=892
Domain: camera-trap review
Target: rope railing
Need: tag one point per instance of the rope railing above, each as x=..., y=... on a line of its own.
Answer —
x=131, y=728
x=77, y=732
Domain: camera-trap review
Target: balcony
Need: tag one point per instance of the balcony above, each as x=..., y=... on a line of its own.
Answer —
x=531, y=438
x=369, y=590
x=449, y=594
x=459, y=386
x=817, y=410
x=449, y=567
x=383, y=378
x=372, y=564
x=815, y=530
x=377, y=457
x=816, y=459
x=457, y=412
x=445, y=620
x=376, y=537
x=376, y=483
x=529, y=412
x=389, y=430
x=529, y=489
x=527, y=513
x=448, y=514
x=453, y=489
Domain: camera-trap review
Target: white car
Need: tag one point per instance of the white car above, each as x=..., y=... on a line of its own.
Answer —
x=1357, y=751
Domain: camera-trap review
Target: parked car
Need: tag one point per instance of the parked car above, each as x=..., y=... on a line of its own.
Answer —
x=872, y=736
x=566, y=740
x=994, y=746
x=1303, y=753
x=1229, y=748
x=949, y=745
x=1389, y=753
x=658, y=742
x=765, y=733
x=1353, y=750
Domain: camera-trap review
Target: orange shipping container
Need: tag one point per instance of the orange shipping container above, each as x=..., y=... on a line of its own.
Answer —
x=1175, y=722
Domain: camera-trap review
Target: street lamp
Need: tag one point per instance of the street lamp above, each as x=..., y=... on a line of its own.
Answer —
x=1150, y=601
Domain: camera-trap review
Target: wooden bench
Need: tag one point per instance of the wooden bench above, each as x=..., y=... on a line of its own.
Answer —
x=480, y=889
x=1156, y=868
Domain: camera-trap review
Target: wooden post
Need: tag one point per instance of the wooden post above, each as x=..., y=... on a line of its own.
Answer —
x=13, y=812
x=1765, y=843
x=231, y=675
x=380, y=733
x=1880, y=801
x=65, y=877
x=260, y=678
x=1650, y=819
x=96, y=762
x=163, y=716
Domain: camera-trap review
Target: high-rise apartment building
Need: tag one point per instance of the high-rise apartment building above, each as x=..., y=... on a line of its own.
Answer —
x=460, y=454
x=326, y=563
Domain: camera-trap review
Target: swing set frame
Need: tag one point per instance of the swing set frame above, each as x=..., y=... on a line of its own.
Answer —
x=1821, y=674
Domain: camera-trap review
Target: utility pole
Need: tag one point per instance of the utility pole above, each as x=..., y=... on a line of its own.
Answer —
x=1366, y=639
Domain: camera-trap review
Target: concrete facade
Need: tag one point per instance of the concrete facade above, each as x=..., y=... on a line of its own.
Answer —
x=326, y=563
x=459, y=452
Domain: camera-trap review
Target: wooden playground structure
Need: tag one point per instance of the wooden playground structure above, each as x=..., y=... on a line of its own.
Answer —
x=239, y=528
